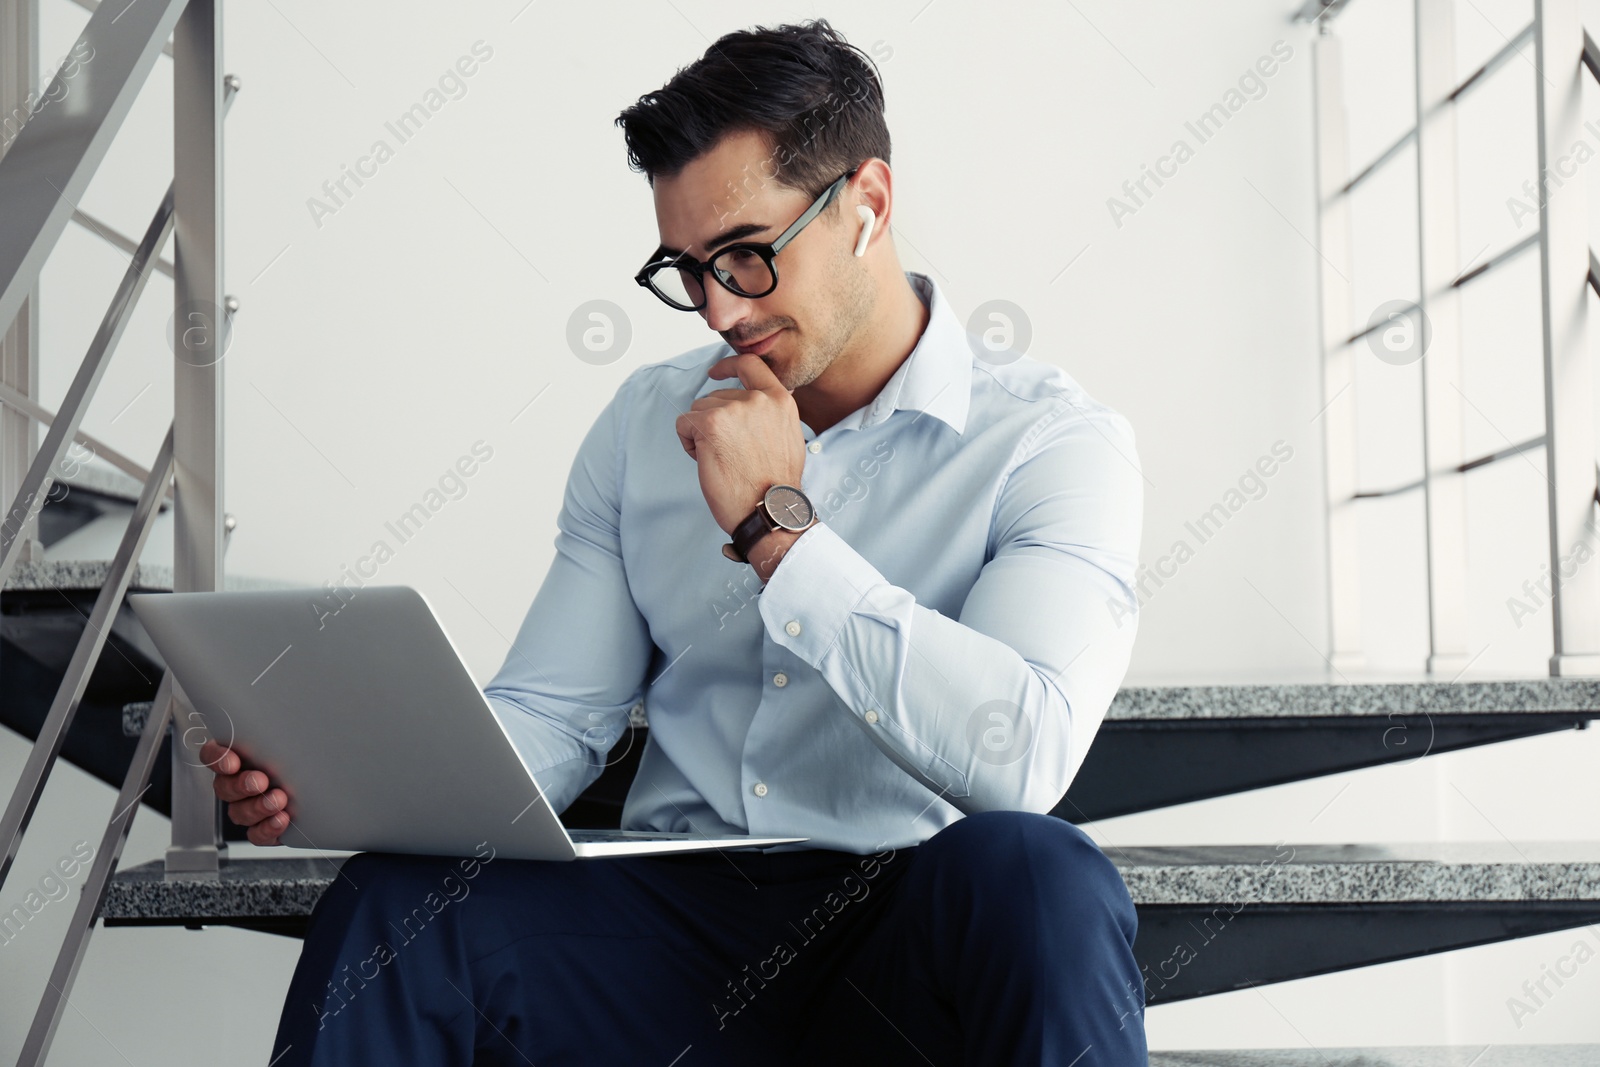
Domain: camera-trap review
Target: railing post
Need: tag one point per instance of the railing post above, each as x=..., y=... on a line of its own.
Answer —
x=1438, y=259
x=1568, y=376
x=1338, y=415
x=199, y=331
x=19, y=345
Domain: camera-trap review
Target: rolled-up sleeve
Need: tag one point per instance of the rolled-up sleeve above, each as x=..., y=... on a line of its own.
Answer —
x=579, y=659
x=995, y=709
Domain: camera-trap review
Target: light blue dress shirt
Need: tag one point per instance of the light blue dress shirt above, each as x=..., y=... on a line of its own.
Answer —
x=946, y=639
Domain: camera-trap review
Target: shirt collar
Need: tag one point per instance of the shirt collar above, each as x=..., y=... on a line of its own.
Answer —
x=936, y=378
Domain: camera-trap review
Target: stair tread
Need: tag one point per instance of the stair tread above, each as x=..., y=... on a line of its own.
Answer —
x=1187, y=875
x=91, y=574
x=1376, y=696
x=1418, y=1056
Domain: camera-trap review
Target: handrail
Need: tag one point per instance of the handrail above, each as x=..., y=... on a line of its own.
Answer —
x=1504, y=453
x=36, y=483
x=1460, y=468
x=42, y=756
x=44, y=173
x=30, y=495
x=65, y=972
x=1310, y=11
x=1497, y=259
x=1471, y=81
x=27, y=406
x=112, y=237
x=1383, y=157
x=60, y=149
x=92, y=895
x=1374, y=327
x=1488, y=66
x=92, y=5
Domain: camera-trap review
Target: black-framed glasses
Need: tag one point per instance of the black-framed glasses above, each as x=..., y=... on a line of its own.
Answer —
x=744, y=268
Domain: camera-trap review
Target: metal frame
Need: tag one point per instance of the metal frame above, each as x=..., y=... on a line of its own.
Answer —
x=1567, y=269
x=1568, y=378
x=1338, y=353
x=1444, y=497
x=198, y=95
x=42, y=756
x=36, y=1046
x=1266, y=943
x=42, y=176
x=19, y=341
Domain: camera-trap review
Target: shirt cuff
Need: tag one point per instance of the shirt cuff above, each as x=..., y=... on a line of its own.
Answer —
x=813, y=592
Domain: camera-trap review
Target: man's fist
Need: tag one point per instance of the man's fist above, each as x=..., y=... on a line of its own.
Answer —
x=251, y=801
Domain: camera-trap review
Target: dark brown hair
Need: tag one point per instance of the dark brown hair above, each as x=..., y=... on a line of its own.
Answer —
x=817, y=98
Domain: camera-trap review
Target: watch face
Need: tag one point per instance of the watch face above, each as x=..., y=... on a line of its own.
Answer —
x=789, y=507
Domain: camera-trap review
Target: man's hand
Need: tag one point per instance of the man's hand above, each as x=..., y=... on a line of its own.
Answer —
x=745, y=440
x=251, y=802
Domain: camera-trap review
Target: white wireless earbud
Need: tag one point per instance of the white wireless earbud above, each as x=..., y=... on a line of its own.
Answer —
x=869, y=218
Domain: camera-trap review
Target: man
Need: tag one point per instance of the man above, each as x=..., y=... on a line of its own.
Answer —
x=863, y=571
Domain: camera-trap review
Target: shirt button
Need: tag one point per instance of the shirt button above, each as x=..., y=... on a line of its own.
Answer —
x=871, y=716
x=792, y=628
x=815, y=447
x=780, y=679
x=759, y=789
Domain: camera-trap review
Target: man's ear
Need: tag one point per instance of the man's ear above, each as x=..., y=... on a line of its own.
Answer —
x=873, y=188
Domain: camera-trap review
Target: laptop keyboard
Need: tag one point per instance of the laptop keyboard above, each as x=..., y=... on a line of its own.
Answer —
x=595, y=836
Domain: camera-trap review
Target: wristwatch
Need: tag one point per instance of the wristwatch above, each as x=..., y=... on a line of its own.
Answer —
x=782, y=507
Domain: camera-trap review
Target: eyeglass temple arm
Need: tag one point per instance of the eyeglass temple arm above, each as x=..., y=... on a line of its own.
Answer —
x=815, y=209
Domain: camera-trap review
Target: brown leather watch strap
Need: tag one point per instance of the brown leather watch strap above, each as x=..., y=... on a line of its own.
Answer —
x=748, y=534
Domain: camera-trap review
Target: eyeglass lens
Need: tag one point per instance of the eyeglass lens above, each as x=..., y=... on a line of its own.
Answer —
x=745, y=273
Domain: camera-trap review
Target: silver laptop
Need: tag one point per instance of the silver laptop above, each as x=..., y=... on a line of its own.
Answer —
x=371, y=723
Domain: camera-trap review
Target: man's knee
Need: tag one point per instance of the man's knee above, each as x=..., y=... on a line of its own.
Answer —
x=1008, y=850
x=388, y=883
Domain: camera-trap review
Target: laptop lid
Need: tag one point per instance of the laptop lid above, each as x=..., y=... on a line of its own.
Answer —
x=367, y=717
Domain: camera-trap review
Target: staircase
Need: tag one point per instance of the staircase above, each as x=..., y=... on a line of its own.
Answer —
x=83, y=679
x=1211, y=919
x=1500, y=1056
x=42, y=615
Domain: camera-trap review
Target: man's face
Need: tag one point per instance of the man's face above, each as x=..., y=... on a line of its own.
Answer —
x=824, y=293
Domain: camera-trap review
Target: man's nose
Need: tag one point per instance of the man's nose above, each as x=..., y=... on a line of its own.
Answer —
x=723, y=310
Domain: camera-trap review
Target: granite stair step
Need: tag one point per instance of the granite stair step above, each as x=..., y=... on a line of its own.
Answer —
x=1211, y=919
x=1419, y=1056
x=1169, y=744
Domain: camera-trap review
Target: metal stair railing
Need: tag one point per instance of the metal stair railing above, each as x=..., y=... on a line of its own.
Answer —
x=43, y=174
x=1562, y=51
x=31, y=496
x=92, y=895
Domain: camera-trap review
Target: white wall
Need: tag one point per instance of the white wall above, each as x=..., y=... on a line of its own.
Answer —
x=373, y=349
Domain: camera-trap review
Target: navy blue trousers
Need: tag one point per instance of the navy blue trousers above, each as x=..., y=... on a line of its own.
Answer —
x=1006, y=938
